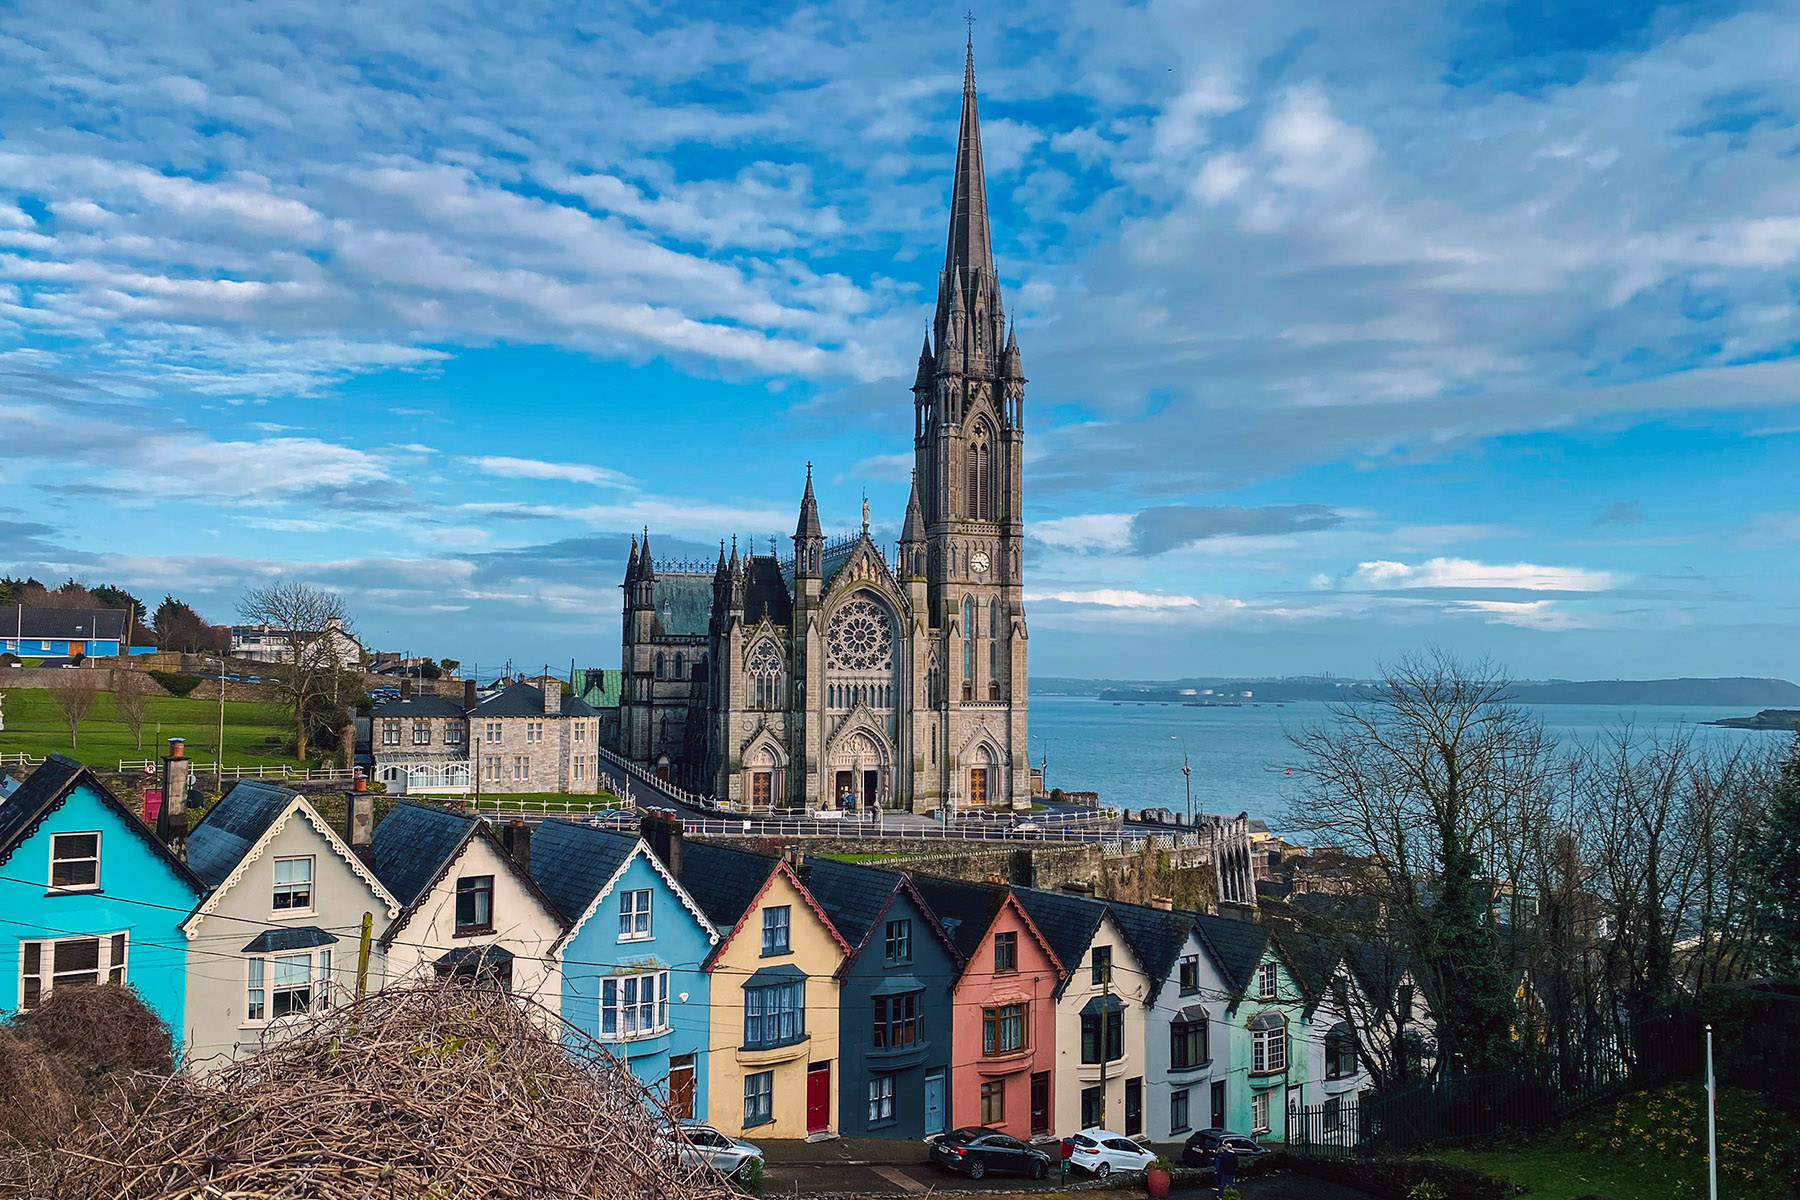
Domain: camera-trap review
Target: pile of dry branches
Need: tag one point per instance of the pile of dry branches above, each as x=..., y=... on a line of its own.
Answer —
x=432, y=1091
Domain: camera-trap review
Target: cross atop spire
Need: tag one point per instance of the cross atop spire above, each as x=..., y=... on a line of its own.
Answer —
x=970, y=246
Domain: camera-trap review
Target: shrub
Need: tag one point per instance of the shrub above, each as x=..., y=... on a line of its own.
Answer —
x=100, y=1030
x=174, y=682
x=37, y=1092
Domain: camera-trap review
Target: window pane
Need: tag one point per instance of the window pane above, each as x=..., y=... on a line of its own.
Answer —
x=79, y=954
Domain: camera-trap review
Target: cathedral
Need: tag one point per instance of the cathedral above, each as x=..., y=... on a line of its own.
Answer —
x=843, y=675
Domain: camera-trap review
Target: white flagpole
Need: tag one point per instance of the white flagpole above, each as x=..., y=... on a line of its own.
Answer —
x=1712, y=1122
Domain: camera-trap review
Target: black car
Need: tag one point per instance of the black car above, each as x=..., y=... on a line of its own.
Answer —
x=976, y=1151
x=1202, y=1147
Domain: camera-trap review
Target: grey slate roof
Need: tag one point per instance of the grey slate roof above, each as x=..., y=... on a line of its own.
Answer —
x=853, y=897
x=766, y=592
x=424, y=706
x=274, y=941
x=82, y=624
x=723, y=881
x=571, y=862
x=1067, y=921
x=232, y=826
x=412, y=845
x=1156, y=938
x=683, y=605
x=1237, y=946
x=527, y=700
x=971, y=906
x=44, y=791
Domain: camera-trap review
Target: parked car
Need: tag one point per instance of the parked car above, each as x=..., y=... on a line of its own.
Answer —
x=1100, y=1152
x=1201, y=1147
x=704, y=1144
x=975, y=1151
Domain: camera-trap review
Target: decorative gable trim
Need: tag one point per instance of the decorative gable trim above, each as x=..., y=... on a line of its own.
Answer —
x=299, y=804
x=478, y=828
x=132, y=823
x=903, y=886
x=780, y=869
x=1011, y=901
x=641, y=850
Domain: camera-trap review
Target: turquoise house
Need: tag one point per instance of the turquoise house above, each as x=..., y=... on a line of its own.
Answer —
x=1265, y=1027
x=90, y=895
x=631, y=963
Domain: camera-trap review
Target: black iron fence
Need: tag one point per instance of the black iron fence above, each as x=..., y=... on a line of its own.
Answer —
x=1538, y=1092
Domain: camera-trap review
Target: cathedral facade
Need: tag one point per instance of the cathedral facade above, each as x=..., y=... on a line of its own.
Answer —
x=843, y=674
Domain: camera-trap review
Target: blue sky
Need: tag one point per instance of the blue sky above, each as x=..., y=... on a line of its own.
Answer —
x=1349, y=328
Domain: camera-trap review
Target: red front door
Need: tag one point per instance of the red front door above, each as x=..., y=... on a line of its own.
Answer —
x=818, y=1097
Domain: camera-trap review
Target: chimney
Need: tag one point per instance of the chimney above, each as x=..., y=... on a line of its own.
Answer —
x=359, y=817
x=468, y=694
x=1162, y=904
x=662, y=832
x=516, y=837
x=406, y=689
x=794, y=856
x=552, y=695
x=171, y=819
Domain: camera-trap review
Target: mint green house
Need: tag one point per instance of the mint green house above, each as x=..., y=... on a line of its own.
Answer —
x=1264, y=1027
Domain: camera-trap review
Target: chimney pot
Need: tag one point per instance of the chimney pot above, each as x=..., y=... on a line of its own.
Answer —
x=468, y=694
x=359, y=817
x=177, y=747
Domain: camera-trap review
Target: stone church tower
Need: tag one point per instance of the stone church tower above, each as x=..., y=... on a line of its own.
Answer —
x=841, y=674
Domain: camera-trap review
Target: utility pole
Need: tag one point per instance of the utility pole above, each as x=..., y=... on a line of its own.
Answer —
x=1712, y=1122
x=219, y=766
x=362, y=956
x=1106, y=1032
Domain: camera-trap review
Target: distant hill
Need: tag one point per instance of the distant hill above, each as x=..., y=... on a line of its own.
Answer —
x=1746, y=693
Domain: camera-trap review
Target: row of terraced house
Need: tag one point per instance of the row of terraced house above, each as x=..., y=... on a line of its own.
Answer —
x=782, y=994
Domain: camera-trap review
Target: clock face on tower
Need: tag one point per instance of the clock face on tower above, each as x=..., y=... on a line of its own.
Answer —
x=978, y=562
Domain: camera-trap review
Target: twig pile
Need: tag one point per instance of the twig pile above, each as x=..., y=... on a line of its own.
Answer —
x=433, y=1092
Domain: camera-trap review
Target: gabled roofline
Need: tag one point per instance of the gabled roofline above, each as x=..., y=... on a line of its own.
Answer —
x=643, y=849
x=902, y=884
x=191, y=924
x=780, y=868
x=50, y=803
x=1012, y=901
x=1106, y=914
x=477, y=828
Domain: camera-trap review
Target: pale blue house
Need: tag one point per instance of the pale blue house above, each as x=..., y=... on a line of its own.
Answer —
x=631, y=964
x=90, y=895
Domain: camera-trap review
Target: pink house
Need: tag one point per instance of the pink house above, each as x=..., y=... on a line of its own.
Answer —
x=1003, y=1032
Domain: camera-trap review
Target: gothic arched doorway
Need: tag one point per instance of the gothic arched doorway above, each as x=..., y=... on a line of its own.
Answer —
x=861, y=772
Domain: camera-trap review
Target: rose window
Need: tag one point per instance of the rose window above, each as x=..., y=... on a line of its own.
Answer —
x=860, y=638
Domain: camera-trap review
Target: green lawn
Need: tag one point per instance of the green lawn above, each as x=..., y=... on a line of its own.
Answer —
x=1653, y=1145
x=34, y=726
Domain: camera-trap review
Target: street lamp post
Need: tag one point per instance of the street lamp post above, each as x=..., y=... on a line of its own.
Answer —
x=1187, y=776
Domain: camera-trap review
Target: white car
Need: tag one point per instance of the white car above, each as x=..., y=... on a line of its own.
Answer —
x=1100, y=1152
x=702, y=1143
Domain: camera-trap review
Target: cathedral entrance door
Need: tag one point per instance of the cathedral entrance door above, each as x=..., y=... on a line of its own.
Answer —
x=842, y=787
x=871, y=782
x=978, y=783
x=761, y=787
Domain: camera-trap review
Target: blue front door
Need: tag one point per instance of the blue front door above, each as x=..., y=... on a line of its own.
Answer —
x=934, y=1102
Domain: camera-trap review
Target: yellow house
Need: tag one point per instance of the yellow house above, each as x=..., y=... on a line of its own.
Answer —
x=774, y=1045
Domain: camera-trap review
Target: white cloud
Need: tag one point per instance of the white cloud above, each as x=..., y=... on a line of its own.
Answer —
x=531, y=468
x=1114, y=598
x=1464, y=573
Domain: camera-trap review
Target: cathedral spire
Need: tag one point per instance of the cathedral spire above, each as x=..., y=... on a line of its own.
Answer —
x=631, y=565
x=646, y=569
x=809, y=526
x=970, y=247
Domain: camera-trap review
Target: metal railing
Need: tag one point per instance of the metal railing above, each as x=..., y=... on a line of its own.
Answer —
x=880, y=829
x=21, y=759
x=303, y=774
x=649, y=779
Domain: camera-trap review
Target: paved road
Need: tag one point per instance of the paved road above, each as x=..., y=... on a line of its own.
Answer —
x=898, y=1179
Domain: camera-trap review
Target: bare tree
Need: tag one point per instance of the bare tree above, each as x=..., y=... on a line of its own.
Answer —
x=1426, y=780
x=131, y=700
x=311, y=624
x=74, y=703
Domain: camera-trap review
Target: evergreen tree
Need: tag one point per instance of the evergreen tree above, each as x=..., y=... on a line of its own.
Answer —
x=1773, y=869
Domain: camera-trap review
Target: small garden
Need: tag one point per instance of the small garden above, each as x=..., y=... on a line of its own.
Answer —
x=256, y=734
x=1652, y=1144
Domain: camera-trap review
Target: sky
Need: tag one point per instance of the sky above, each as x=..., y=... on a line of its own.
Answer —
x=1350, y=328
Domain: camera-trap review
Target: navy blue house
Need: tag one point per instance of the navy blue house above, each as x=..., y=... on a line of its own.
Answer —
x=894, y=1001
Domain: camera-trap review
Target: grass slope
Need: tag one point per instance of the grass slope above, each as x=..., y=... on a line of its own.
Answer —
x=34, y=726
x=1653, y=1145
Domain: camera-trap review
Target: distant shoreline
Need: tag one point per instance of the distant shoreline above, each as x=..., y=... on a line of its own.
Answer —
x=1773, y=695
x=1783, y=720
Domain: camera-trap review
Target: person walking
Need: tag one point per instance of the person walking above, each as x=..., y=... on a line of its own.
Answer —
x=1225, y=1167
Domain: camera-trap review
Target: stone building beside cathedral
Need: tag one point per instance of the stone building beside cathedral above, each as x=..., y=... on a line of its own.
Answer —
x=842, y=671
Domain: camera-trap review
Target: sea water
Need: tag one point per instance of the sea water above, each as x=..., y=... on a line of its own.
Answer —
x=1243, y=761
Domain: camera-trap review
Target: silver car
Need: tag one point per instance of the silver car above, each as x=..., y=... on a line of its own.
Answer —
x=702, y=1144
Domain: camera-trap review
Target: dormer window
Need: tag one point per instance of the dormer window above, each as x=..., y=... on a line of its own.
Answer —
x=1265, y=981
x=75, y=862
x=475, y=904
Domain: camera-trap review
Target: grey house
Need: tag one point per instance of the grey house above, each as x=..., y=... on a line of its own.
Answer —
x=277, y=934
x=893, y=1001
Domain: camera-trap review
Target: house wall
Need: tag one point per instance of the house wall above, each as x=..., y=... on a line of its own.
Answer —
x=551, y=767
x=215, y=1029
x=523, y=924
x=816, y=953
x=140, y=895
x=1130, y=985
x=1279, y=1085
x=929, y=971
x=1033, y=985
x=1163, y=1081
x=678, y=944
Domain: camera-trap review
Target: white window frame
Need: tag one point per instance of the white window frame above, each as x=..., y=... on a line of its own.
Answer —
x=534, y=732
x=493, y=733
x=649, y=1001
x=521, y=768
x=453, y=734
x=110, y=965
x=421, y=731
x=1259, y=1113
x=1268, y=1050
x=275, y=887
x=259, y=984
x=490, y=768
x=50, y=876
x=1267, y=981
x=390, y=731
x=634, y=915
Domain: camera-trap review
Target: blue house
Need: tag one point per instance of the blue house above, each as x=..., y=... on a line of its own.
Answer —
x=632, y=962
x=894, y=1002
x=32, y=632
x=90, y=895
